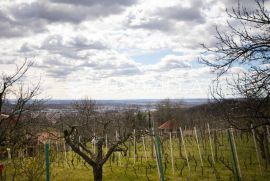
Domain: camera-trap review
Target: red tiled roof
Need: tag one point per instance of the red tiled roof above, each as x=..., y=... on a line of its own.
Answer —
x=45, y=136
x=167, y=125
x=4, y=116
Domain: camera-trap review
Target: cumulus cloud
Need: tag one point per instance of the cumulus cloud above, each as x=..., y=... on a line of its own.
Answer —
x=165, y=18
x=150, y=23
x=25, y=48
x=26, y=18
x=72, y=47
x=105, y=63
x=170, y=62
x=186, y=14
x=94, y=42
x=108, y=3
x=10, y=27
x=46, y=12
x=67, y=11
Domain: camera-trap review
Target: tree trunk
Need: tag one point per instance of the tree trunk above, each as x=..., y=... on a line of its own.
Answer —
x=97, y=171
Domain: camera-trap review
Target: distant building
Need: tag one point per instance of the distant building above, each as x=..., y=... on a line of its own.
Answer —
x=169, y=126
x=48, y=137
x=3, y=116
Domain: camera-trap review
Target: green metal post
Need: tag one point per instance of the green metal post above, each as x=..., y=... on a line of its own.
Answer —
x=234, y=159
x=159, y=158
x=47, y=161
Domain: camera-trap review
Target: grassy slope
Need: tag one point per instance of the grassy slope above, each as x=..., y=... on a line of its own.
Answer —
x=60, y=170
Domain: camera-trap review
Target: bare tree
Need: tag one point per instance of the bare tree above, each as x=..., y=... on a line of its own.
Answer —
x=108, y=130
x=245, y=45
x=248, y=45
x=16, y=100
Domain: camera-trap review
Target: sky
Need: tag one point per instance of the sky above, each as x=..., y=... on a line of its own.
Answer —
x=113, y=49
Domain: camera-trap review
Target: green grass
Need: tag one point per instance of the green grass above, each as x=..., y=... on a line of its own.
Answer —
x=125, y=169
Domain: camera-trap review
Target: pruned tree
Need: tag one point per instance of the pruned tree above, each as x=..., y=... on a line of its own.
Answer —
x=95, y=135
x=16, y=101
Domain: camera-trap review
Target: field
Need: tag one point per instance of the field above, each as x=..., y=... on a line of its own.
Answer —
x=216, y=166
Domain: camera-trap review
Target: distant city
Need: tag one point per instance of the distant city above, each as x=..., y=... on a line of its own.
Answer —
x=106, y=105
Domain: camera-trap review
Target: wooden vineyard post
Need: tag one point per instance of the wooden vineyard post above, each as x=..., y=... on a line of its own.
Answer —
x=80, y=142
x=234, y=157
x=152, y=147
x=47, y=162
x=94, y=143
x=57, y=151
x=179, y=144
x=256, y=149
x=119, y=153
x=171, y=147
x=155, y=154
x=129, y=150
x=144, y=149
x=236, y=154
x=134, y=134
x=185, y=150
x=210, y=142
x=106, y=143
x=197, y=141
x=65, y=150
x=9, y=153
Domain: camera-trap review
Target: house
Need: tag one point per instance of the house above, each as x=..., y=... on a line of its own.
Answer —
x=169, y=126
x=48, y=136
x=3, y=116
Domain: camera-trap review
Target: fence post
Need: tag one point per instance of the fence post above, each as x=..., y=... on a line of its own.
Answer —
x=159, y=158
x=47, y=161
x=234, y=158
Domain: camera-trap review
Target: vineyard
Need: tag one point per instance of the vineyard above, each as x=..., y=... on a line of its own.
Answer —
x=193, y=155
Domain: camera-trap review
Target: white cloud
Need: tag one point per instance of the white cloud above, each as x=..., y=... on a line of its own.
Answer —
x=86, y=47
x=170, y=62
